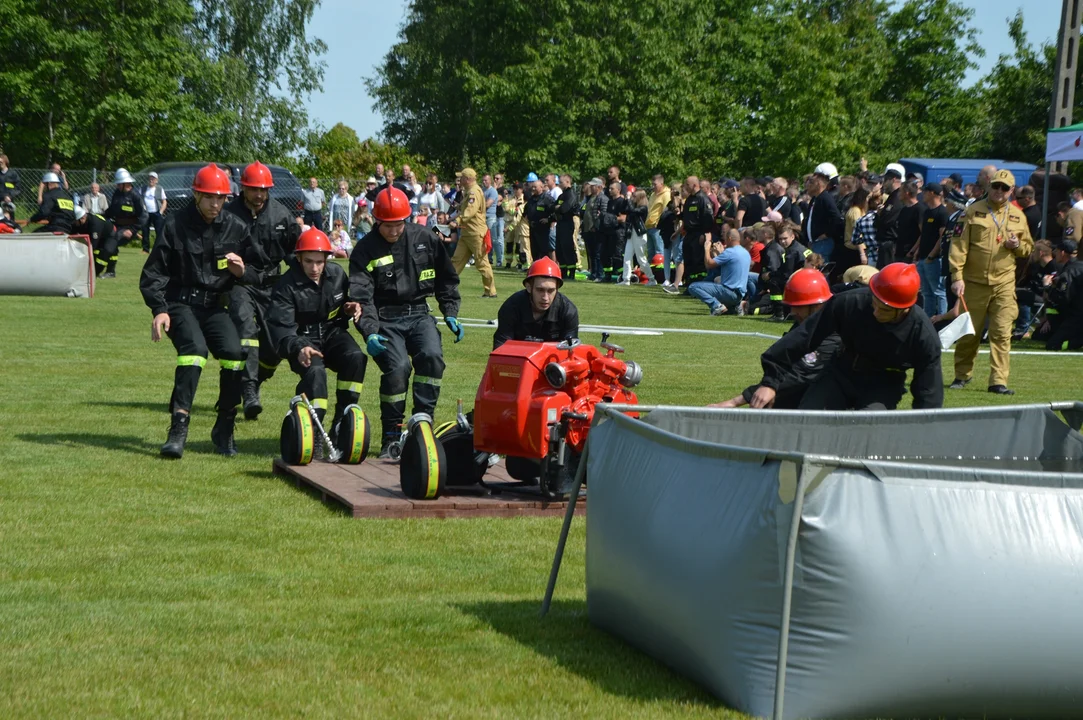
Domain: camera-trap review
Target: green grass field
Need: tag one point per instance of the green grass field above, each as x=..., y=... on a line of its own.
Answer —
x=135, y=586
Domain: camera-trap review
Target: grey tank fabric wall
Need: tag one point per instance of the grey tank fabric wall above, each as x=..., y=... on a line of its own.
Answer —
x=918, y=591
x=45, y=265
x=1029, y=437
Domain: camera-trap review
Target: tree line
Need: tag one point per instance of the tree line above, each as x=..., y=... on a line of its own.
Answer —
x=710, y=86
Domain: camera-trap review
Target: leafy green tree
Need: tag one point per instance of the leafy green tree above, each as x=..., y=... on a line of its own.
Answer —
x=338, y=152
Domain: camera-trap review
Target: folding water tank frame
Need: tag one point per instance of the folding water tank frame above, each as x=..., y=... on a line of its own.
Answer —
x=47, y=264
x=845, y=565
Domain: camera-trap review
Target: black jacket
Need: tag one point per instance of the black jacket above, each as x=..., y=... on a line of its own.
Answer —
x=274, y=236
x=539, y=209
x=637, y=219
x=516, y=321
x=870, y=351
x=887, y=219
x=97, y=227
x=405, y=272
x=126, y=208
x=797, y=377
x=697, y=216
x=191, y=254
x=617, y=206
x=566, y=208
x=304, y=314
x=57, y=210
x=824, y=218
x=9, y=183
x=793, y=257
x=1066, y=292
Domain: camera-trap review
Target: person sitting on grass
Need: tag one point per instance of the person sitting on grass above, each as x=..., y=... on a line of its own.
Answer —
x=340, y=240
x=727, y=275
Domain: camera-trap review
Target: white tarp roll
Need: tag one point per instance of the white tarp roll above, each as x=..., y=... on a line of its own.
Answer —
x=45, y=264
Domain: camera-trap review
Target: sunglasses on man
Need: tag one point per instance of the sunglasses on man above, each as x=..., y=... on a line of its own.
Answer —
x=1001, y=186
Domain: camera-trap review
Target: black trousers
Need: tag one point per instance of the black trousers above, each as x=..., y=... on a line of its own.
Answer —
x=1067, y=335
x=694, y=267
x=594, y=253
x=612, y=254
x=413, y=337
x=342, y=355
x=314, y=218
x=539, y=241
x=105, y=253
x=156, y=221
x=248, y=306
x=567, y=257
x=839, y=388
x=886, y=255
x=195, y=331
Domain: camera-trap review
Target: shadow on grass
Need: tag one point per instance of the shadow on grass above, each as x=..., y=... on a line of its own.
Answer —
x=566, y=636
x=129, y=444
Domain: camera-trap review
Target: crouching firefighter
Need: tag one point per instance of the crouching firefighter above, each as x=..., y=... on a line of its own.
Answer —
x=540, y=313
x=392, y=270
x=806, y=292
x=274, y=235
x=882, y=334
x=102, y=234
x=185, y=283
x=309, y=322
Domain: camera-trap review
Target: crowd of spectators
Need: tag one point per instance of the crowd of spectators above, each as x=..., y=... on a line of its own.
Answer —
x=750, y=233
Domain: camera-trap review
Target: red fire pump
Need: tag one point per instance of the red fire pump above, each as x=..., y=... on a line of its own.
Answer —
x=536, y=402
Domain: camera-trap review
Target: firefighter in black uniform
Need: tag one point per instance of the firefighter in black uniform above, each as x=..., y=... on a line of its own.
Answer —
x=697, y=220
x=309, y=324
x=539, y=313
x=274, y=236
x=882, y=335
x=126, y=211
x=539, y=212
x=565, y=211
x=806, y=292
x=57, y=209
x=102, y=236
x=186, y=283
x=1064, y=294
x=392, y=270
x=614, y=233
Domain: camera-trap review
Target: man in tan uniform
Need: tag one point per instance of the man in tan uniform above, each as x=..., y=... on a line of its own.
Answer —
x=982, y=261
x=472, y=229
x=1073, y=224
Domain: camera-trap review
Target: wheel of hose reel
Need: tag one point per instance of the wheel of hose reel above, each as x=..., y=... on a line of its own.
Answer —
x=297, y=441
x=422, y=467
x=354, y=434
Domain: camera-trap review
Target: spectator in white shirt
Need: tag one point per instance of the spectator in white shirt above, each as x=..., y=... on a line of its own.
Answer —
x=341, y=205
x=154, y=202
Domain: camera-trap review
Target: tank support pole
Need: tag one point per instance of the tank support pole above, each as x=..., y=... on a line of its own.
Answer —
x=787, y=590
x=580, y=472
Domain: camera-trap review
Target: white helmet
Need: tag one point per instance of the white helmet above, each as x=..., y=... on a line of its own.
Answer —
x=80, y=213
x=896, y=167
x=828, y=170
x=122, y=176
x=50, y=177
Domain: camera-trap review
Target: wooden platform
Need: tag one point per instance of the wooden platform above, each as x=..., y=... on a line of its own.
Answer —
x=371, y=490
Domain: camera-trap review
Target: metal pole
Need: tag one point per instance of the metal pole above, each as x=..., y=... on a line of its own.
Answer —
x=1045, y=202
x=787, y=593
x=580, y=473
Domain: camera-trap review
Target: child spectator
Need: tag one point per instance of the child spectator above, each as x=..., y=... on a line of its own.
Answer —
x=340, y=239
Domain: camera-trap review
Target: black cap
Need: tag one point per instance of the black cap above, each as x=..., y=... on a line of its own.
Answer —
x=933, y=188
x=892, y=173
x=1068, y=245
x=915, y=176
x=873, y=179
x=765, y=180
x=957, y=179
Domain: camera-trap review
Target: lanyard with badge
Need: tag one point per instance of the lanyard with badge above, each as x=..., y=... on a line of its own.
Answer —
x=1000, y=225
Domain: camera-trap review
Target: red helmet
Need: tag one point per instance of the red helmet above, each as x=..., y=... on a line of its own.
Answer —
x=897, y=285
x=391, y=205
x=658, y=259
x=806, y=287
x=257, y=175
x=544, y=268
x=314, y=240
x=211, y=180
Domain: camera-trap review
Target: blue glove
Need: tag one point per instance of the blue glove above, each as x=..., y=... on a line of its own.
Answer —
x=375, y=345
x=455, y=327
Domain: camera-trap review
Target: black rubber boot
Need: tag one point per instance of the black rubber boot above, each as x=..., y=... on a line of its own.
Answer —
x=178, y=435
x=250, y=400
x=222, y=433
